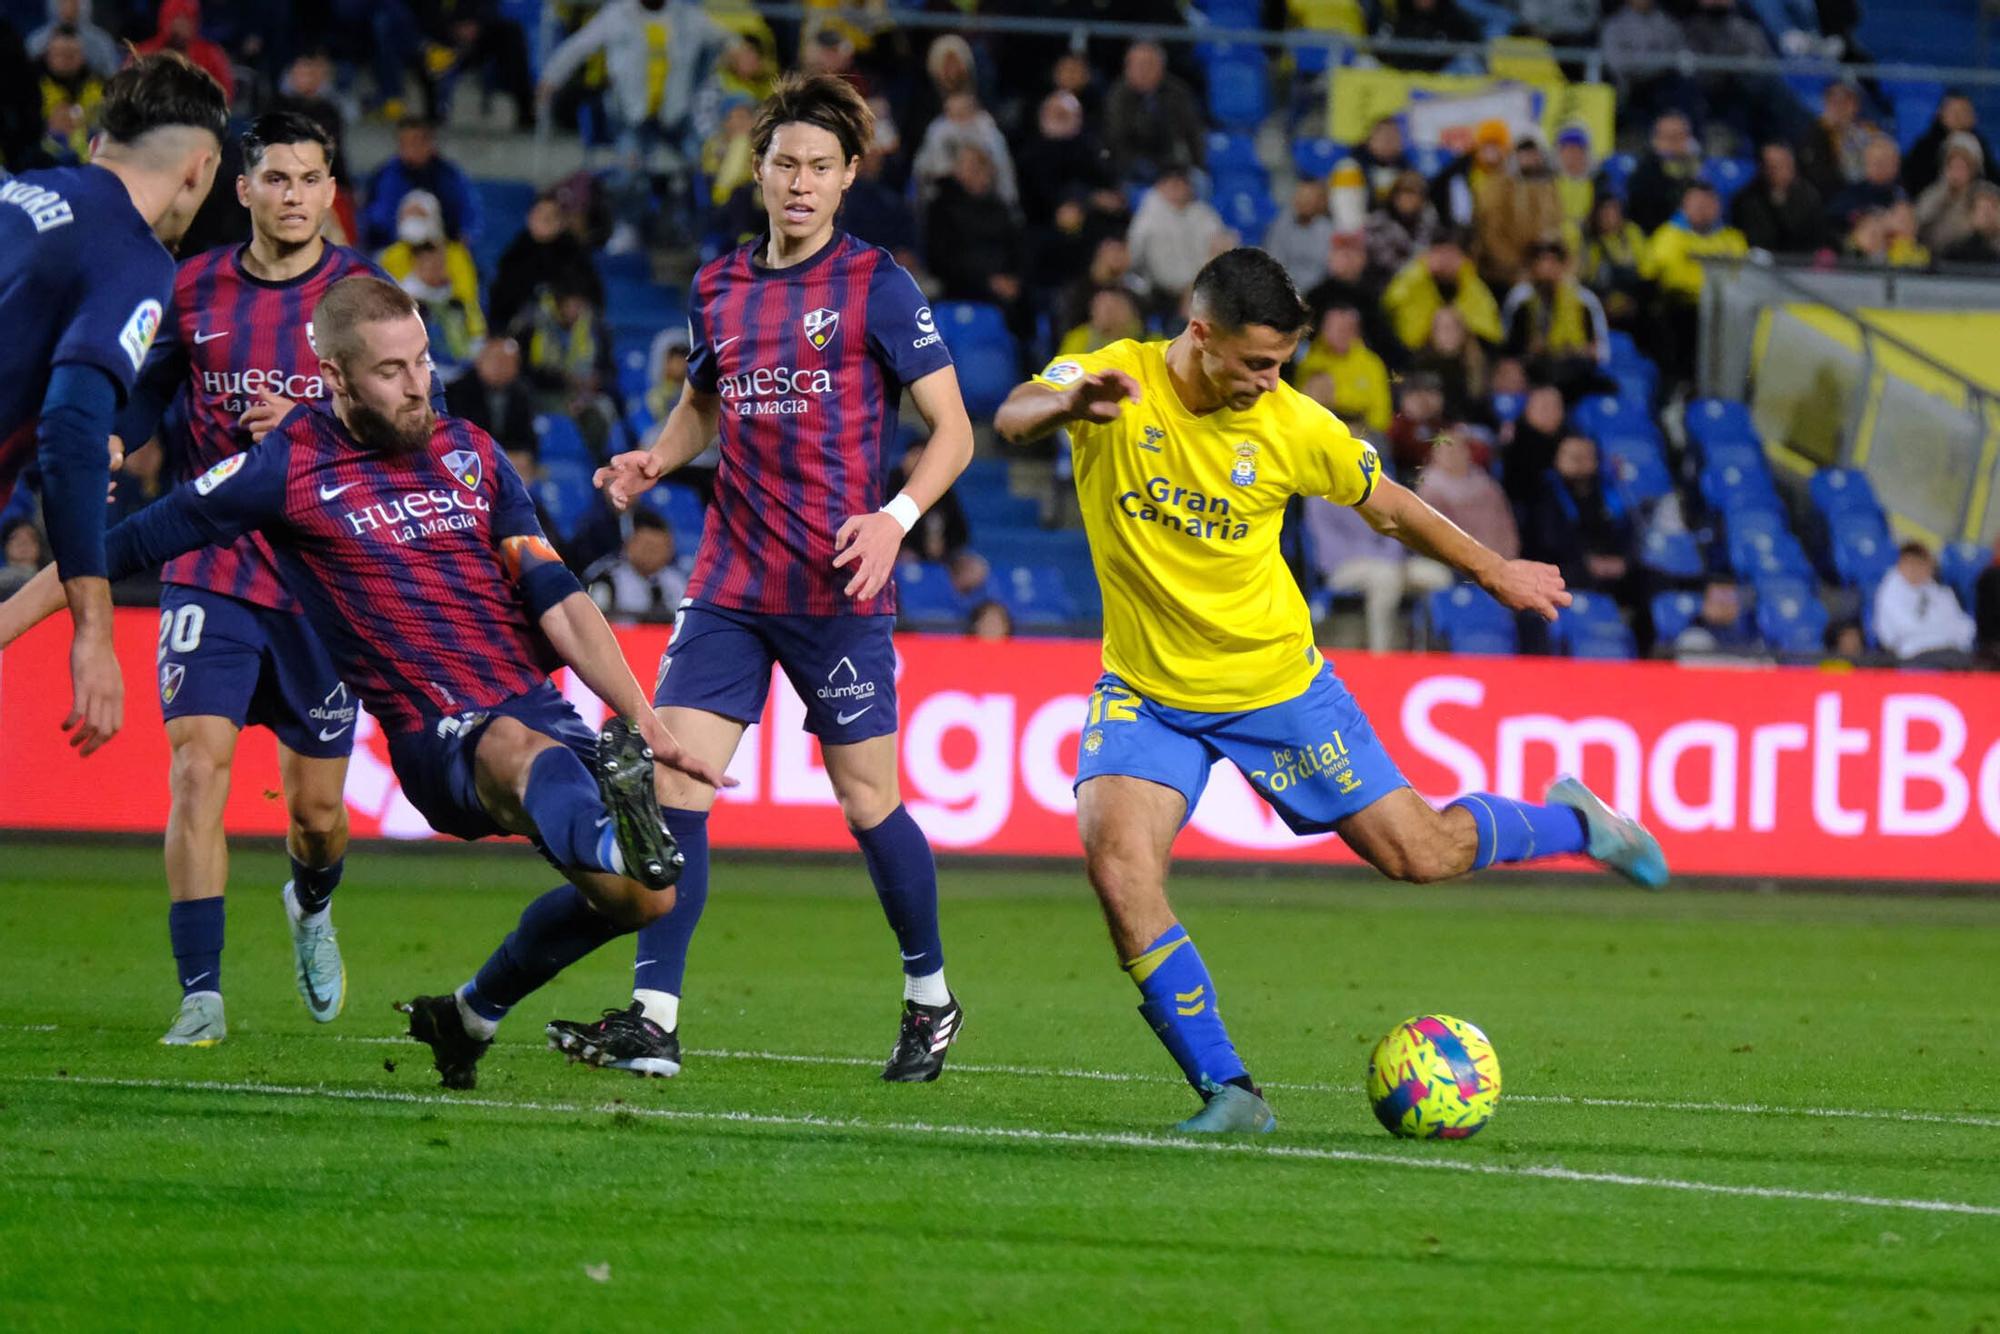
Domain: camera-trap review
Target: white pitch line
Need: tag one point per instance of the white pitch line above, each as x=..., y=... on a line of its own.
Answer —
x=1088, y=1139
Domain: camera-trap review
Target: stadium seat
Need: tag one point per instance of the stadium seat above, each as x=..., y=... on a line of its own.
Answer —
x=1606, y=415
x=1593, y=627
x=1676, y=555
x=1959, y=565
x=1861, y=556
x=681, y=507
x=1617, y=170
x=1674, y=613
x=927, y=599
x=632, y=373
x=1636, y=470
x=1727, y=175
x=1233, y=154
x=1736, y=454
x=1841, y=491
x=987, y=361
x=558, y=441
x=1761, y=555
x=566, y=495
x=1715, y=420
x=1791, y=617
x=1734, y=487
x=1507, y=407
x=1313, y=159
x=1239, y=87
x=1470, y=621
x=1248, y=212
x=634, y=267
x=1035, y=595
x=997, y=507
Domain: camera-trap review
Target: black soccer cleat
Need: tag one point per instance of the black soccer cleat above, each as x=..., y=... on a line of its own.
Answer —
x=921, y=1043
x=625, y=779
x=622, y=1040
x=435, y=1022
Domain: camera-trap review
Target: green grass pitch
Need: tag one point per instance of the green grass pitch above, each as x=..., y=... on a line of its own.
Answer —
x=1721, y=1111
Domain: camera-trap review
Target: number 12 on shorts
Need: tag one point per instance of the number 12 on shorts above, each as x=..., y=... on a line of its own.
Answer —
x=1113, y=704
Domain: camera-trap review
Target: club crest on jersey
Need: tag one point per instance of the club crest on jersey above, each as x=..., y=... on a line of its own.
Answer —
x=171, y=676
x=1245, y=471
x=819, y=326
x=464, y=467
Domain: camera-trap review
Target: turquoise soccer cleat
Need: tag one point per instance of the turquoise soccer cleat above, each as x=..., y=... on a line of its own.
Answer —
x=1617, y=841
x=1231, y=1110
x=316, y=965
x=200, y=1022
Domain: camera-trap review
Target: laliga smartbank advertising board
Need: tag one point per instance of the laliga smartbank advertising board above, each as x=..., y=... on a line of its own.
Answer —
x=1765, y=772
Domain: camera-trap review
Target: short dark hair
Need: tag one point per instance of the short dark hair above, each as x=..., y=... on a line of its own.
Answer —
x=416, y=122
x=283, y=127
x=351, y=303
x=1914, y=549
x=1247, y=286
x=644, y=520
x=816, y=99
x=158, y=91
x=1698, y=186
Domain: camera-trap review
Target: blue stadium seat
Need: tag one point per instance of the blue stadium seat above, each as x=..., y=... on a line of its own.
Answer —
x=1733, y=487
x=1234, y=154
x=634, y=267
x=927, y=599
x=1231, y=13
x=1617, y=170
x=1248, y=212
x=1841, y=491
x=1861, y=556
x=1715, y=420
x=1751, y=522
x=1606, y=415
x=1960, y=564
x=1313, y=159
x=1035, y=595
x=681, y=507
x=558, y=441
x=1760, y=556
x=1470, y=621
x=1791, y=617
x=1625, y=353
x=1736, y=454
x=632, y=372
x=1636, y=468
x=989, y=366
x=1508, y=406
x=997, y=507
x=566, y=495
x=1593, y=627
x=1728, y=175
x=1239, y=87
x=1677, y=555
x=1673, y=613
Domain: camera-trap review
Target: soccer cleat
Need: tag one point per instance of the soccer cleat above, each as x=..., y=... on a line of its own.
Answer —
x=1618, y=842
x=200, y=1022
x=625, y=778
x=436, y=1022
x=926, y=1034
x=316, y=965
x=1230, y=1110
x=622, y=1040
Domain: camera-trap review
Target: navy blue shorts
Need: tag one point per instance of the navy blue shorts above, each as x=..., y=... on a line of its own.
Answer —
x=844, y=668
x=223, y=658
x=435, y=765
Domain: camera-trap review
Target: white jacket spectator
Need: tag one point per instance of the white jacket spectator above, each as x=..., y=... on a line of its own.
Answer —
x=1300, y=237
x=1172, y=236
x=657, y=57
x=100, y=49
x=646, y=579
x=965, y=122
x=1915, y=614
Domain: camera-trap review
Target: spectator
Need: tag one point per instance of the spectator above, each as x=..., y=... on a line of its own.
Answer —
x=1384, y=159
x=1347, y=283
x=729, y=159
x=666, y=371
x=494, y=398
x=1298, y=238
x=22, y=553
x=1917, y=619
x=1404, y=224
x=975, y=243
x=71, y=94
x=1459, y=363
x=1779, y=211
x=1986, y=611
x=1670, y=162
x=1577, y=526
x=1721, y=626
x=546, y=252
x=1846, y=646
x=1758, y=107
x=1924, y=163
x=1459, y=187
x=473, y=36
x=1172, y=236
x=990, y=620
x=1114, y=316
x=180, y=30
x=1356, y=387
x=949, y=68
x=1420, y=419
x=647, y=579
x=1530, y=445
x=943, y=533
x=100, y=49
x=455, y=326
x=1639, y=44
x=1576, y=177
x=1614, y=253
x=308, y=88
x=878, y=213
x=1554, y=323
x=744, y=70
x=1110, y=266
x=1438, y=277
x=1456, y=486
x=1944, y=210
x=1350, y=557
x=1673, y=263
x=1880, y=186
x=420, y=222
x=1153, y=123
x=567, y=355
x=1982, y=244
x=1888, y=237
x=1516, y=209
x=965, y=124
x=1072, y=73
x=1833, y=150
x=1430, y=21
x=419, y=166
x=1067, y=186
x=969, y=573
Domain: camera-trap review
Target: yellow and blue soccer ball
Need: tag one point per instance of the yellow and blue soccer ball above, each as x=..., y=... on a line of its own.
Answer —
x=1434, y=1077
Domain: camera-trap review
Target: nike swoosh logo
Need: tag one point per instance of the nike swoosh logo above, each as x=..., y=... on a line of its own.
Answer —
x=603, y=820
x=329, y=492
x=190, y=981
x=907, y=957
x=313, y=998
x=847, y=718
x=726, y=342
x=325, y=735
x=201, y=338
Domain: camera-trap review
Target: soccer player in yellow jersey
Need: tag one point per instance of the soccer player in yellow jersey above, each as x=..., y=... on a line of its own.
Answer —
x=1186, y=454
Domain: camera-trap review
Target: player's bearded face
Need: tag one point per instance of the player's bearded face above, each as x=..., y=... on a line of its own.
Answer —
x=385, y=390
x=1242, y=365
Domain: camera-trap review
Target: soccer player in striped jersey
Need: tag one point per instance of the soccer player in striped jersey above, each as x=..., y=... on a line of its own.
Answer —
x=803, y=342
x=84, y=277
x=232, y=357
x=1187, y=453
x=413, y=546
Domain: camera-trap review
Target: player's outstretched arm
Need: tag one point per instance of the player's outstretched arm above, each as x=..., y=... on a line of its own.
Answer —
x=1035, y=409
x=1519, y=585
x=689, y=426
x=870, y=542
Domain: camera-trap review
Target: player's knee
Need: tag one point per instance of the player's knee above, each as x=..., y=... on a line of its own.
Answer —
x=1413, y=859
x=1121, y=878
x=865, y=805
x=198, y=776
x=319, y=829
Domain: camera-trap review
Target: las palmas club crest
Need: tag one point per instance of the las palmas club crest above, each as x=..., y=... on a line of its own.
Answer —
x=464, y=467
x=819, y=325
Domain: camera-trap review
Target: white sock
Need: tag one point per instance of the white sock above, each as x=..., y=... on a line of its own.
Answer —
x=475, y=1023
x=304, y=918
x=662, y=1007
x=926, y=990
x=614, y=856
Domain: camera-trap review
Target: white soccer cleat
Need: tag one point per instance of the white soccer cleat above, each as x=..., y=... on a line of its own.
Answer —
x=316, y=965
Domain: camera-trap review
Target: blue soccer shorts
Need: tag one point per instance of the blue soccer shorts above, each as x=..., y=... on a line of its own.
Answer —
x=225, y=658
x=435, y=763
x=844, y=668
x=1315, y=758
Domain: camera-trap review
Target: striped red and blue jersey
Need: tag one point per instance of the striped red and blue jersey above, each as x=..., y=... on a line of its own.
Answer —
x=230, y=337
x=810, y=363
x=397, y=560
x=82, y=280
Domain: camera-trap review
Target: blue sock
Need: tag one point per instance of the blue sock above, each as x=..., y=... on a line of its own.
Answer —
x=313, y=886
x=1180, y=1005
x=663, y=944
x=555, y=931
x=569, y=815
x=195, y=928
x=899, y=862
x=1519, y=831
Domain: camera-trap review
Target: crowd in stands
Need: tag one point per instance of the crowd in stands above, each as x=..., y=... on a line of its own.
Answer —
x=1472, y=311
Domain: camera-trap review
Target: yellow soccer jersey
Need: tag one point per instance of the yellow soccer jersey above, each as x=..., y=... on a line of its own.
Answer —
x=1183, y=514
